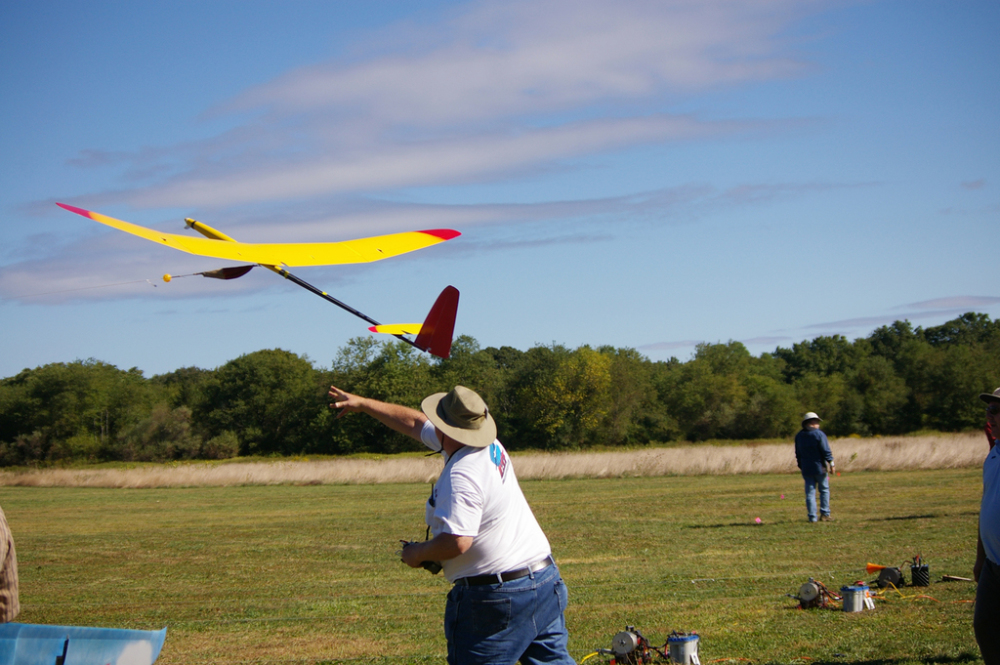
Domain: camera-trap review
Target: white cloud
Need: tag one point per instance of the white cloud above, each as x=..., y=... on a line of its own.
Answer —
x=499, y=60
x=965, y=303
x=496, y=90
x=463, y=160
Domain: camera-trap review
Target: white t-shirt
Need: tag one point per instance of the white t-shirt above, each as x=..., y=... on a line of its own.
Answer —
x=478, y=495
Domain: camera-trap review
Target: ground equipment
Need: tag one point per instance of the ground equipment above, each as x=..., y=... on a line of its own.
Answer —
x=857, y=597
x=815, y=594
x=630, y=647
x=920, y=572
x=887, y=576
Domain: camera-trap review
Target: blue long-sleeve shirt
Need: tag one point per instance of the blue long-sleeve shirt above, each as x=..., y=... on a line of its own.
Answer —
x=989, y=510
x=811, y=450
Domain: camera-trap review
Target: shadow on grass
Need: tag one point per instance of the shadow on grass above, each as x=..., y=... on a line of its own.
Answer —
x=748, y=525
x=964, y=657
x=897, y=518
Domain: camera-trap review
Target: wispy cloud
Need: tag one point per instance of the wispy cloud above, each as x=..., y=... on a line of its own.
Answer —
x=495, y=91
x=445, y=161
x=765, y=341
x=964, y=303
x=670, y=346
x=938, y=308
x=521, y=59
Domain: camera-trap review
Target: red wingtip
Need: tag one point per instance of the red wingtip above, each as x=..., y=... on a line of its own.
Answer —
x=444, y=234
x=79, y=211
x=439, y=326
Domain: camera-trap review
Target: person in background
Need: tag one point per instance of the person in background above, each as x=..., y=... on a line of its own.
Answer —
x=813, y=455
x=986, y=618
x=9, y=603
x=508, y=598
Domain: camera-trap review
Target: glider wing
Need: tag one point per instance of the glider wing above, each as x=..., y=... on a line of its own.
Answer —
x=362, y=250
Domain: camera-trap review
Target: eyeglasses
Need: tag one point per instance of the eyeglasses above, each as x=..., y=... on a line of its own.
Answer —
x=993, y=409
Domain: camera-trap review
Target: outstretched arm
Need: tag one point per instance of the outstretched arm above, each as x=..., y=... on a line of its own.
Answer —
x=402, y=419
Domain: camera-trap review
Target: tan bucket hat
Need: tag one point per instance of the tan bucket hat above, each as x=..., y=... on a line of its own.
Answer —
x=811, y=415
x=462, y=415
x=990, y=397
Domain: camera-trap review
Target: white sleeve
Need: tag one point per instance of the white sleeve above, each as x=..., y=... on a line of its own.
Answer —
x=429, y=436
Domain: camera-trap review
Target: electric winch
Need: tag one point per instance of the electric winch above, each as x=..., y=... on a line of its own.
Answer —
x=630, y=647
x=814, y=594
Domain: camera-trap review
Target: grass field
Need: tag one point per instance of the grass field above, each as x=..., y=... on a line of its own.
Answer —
x=308, y=574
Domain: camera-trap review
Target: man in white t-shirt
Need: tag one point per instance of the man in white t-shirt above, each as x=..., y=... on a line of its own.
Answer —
x=508, y=598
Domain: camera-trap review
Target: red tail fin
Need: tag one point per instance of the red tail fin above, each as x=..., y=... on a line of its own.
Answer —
x=439, y=326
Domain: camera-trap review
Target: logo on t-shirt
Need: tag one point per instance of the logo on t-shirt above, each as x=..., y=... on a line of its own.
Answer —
x=499, y=458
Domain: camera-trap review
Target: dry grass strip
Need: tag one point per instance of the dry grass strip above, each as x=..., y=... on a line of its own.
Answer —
x=945, y=451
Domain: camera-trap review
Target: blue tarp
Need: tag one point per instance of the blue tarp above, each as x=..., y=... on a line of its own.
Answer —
x=32, y=644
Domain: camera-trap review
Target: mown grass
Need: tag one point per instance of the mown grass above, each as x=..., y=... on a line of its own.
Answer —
x=309, y=573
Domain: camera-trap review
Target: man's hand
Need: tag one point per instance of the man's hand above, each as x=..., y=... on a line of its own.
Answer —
x=408, y=554
x=441, y=547
x=400, y=418
x=344, y=401
x=433, y=567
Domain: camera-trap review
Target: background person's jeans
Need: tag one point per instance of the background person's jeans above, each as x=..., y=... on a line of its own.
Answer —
x=497, y=624
x=987, y=613
x=814, y=483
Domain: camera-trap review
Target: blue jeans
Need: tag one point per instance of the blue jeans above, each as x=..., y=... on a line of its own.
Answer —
x=499, y=624
x=822, y=483
x=987, y=613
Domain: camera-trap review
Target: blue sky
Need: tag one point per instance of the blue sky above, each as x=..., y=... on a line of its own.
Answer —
x=639, y=174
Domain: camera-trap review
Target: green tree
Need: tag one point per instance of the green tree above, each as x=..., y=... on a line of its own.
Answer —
x=566, y=403
x=952, y=377
x=634, y=412
x=165, y=435
x=969, y=329
x=705, y=394
x=884, y=396
x=821, y=356
x=388, y=371
x=270, y=399
x=43, y=409
x=182, y=387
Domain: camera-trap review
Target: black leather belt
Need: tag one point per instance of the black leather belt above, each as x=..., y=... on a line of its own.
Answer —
x=500, y=578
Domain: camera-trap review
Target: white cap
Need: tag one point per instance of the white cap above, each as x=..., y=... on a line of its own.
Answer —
x=810, y=415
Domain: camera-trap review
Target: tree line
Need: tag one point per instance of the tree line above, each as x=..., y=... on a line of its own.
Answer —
x=898, y=379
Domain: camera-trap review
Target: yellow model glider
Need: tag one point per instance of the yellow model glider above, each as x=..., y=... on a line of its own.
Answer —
x=293, y=255
x=434, y=335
